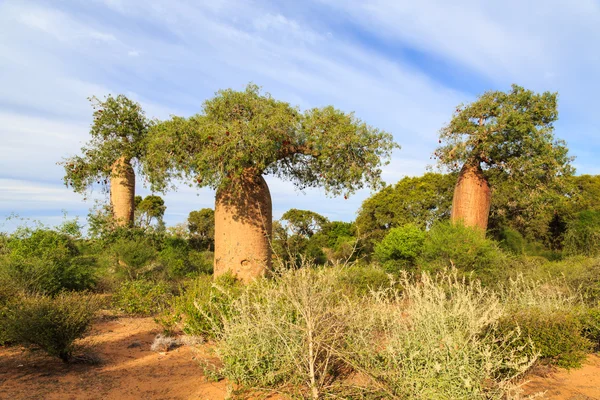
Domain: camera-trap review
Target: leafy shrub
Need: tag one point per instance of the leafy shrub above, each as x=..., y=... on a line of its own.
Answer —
x=359, y=280
x=286, y=334
x=142, y=297
x=178, y=260
x=131, y=257
x=401, y=246
x=590, y=320
x=203, y=303
x=432, y=340
x=52, y=323
x=202, y=261
x=548, y=312
x=464, y=247
x=512, y=241
x=45, y=261
x=583, y=234
x=556, y=335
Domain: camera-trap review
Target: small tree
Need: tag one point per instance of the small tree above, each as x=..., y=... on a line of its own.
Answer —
x=118, y=133
x=241, y=135
x=502, y=137
x=201, y=225
x=150, y=208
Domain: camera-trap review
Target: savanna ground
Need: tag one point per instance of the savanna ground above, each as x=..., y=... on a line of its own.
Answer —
x=129, y=369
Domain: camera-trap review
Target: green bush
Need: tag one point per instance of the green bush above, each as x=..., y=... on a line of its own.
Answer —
x=512, y=241
x=286, y=334
x=132, y=257
x=431, y=341
x=583, y=234
x=359, y=280
x=203, y=303
x=557, y=335
x=47, y=262
x=142, y=297
x=590, y=319
x=464, y=247
x=401, y=246
x=52, y=323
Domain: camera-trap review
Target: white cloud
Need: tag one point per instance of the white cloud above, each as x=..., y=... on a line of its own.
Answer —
x=170, y=56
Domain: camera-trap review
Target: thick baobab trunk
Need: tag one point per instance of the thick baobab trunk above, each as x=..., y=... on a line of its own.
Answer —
x=122, y=192
x=471, y=202
x=243, y=228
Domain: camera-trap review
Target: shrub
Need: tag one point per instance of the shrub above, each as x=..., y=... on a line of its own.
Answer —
x=556, y=335
x=512, y=241
x=46, y=261
x=142, y=297
x=549, y=313
x=401, y=246
x=464, y=247
x=590, y=320
x=203, y=304
x=359, y=280
x=52, y=323
x=131, y=257
x=432, y=340
x=286, y=334
x=583, y=234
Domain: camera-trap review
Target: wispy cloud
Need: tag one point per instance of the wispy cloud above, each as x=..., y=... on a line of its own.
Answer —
x=359, y=56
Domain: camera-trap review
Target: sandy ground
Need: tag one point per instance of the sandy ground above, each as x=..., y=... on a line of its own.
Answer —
x=576, y=384
x=130, y=370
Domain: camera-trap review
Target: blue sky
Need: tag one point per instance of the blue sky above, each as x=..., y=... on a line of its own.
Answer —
x=401, y=65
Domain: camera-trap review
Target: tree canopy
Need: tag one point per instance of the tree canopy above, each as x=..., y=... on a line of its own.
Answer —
x=118, y=132
x=150, y=208
x=420, y=200
x=248, y=132
x=511, y=135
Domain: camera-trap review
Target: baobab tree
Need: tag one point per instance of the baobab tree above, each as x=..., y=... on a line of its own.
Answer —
x=117, y=141
x=238, y=137
x=503, y=137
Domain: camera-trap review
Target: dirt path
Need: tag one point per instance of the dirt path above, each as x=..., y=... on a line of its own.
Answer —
x=577, y=384
x=130, y=370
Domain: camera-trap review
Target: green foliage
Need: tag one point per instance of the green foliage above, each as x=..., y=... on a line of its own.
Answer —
x=47, y=261
x=52, y=323
x=118, y=131
x=432, y=341
x=359, y=280
x=201, y=226
x=583, y=234
x=464, y=247
x=303, y=222
x=203, y=304
x=285, y=334
x=150, y=208
x=297, y=334
x=557, y=335
x=403, y=244
x=132, y=257
x=241, y=132
x=590, y=319
x=421, y=201
x=512, y=241
x=142, y=297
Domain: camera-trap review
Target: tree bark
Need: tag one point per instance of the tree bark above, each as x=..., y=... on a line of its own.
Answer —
x=122, y=192
x=243, y=229
x=472, y=195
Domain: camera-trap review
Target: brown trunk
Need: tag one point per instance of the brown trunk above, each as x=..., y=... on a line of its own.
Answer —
x=122, y=192
x=471, y=202
x=243, y=228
